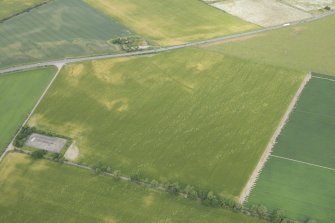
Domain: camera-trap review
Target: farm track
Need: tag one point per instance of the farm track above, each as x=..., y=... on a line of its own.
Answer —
x=159, y=50
x=267, y=152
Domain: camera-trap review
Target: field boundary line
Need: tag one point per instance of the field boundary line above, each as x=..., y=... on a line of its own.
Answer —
x=24, y=11
x=10, y=147
x=268, y=150
x=298, y=161
x=323, y=78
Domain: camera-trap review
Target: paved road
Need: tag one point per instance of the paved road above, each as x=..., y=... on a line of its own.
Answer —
x=163, y=49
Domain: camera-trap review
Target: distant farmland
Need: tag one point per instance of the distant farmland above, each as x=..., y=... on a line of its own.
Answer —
x=191, y=115
x=19, y=93
x=9, y=8
x=174, y=21
x=300, y=176
x=43, y=191
x=59, y=29
x=308, y=47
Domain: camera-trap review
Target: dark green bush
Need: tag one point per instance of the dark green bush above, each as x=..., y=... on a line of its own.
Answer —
x=38, y=154
x=22, y=137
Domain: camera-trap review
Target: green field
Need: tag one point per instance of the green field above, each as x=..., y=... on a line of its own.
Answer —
x=301, y=191
x=174, y=21
x=42, y=191
x=311, y=126
x=11, y=7
x=19, y=93
x=304, y=190
x=190, y=115
x=309, y=47
x=59, y=29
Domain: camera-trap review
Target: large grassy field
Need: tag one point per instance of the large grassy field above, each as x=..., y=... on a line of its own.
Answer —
x=190, y=115
x=300, y=189
x=11, y=7
x=309, y=47
x=59, y=29
x=174, y=21
x=42, y=191
x=19, y=93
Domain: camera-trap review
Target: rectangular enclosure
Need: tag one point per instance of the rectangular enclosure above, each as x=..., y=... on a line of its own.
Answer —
x=51, y=144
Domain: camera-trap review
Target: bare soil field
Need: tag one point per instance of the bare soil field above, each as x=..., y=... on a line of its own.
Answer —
x=310, y=5
x=261, y=12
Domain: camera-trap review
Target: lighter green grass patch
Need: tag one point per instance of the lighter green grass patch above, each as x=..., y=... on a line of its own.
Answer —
x=308, y=47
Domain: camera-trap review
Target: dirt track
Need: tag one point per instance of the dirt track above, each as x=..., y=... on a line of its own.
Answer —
x=266, y=154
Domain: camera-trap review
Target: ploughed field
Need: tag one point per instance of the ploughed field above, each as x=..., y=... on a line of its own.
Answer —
x=300, y=176
x=57, y=30
x=44, y=191
x=193, y=116
x=19, y=93
x=261, y=12
x=174, y=21
x=311, y=5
